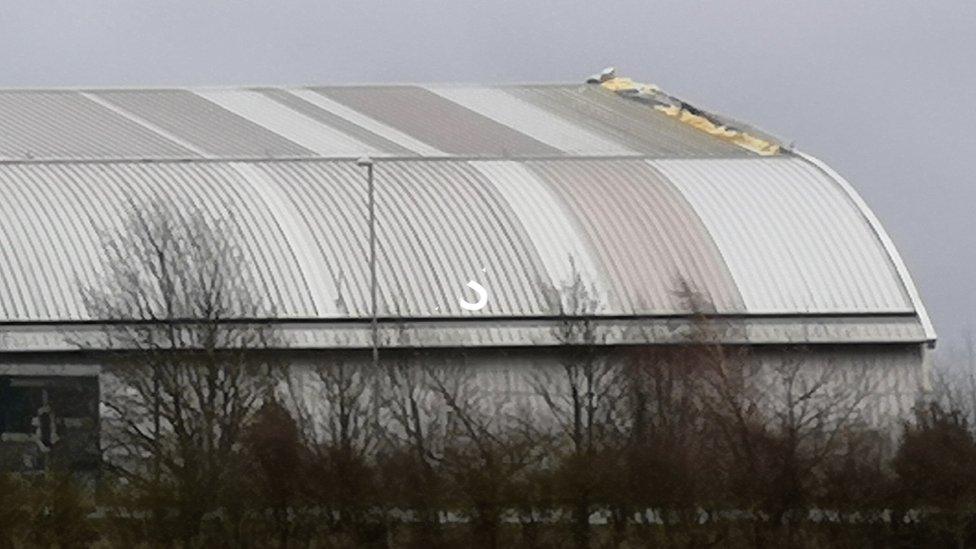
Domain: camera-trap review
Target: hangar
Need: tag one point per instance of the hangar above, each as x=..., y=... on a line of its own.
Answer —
x=520, y=188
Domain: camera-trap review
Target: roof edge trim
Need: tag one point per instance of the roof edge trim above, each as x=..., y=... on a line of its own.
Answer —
x=886, y=242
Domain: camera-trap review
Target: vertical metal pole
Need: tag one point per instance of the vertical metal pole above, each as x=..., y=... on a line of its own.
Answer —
x=371, y=205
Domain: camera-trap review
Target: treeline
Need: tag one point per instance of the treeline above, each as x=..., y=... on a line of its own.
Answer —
x=676, y=448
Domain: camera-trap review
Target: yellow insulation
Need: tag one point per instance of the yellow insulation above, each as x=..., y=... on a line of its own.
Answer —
x=742, y=139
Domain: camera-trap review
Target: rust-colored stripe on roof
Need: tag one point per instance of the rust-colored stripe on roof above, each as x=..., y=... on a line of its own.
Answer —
x=650, y=239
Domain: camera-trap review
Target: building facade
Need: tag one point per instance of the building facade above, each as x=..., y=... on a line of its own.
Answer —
x=528, y=191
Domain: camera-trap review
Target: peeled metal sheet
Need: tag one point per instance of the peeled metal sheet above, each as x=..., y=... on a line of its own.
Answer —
x=66, y=125
x=529, y=119
x=792, y=239
x=649, y=238
x=209, y=127
x=437, y=121
x=641, y=127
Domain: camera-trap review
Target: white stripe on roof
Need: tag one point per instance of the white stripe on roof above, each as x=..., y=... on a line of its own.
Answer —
x=287, y=123
x=383, y=130
x=533, y=121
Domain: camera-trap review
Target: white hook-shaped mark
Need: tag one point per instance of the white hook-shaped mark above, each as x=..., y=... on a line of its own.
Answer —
x=482, y=297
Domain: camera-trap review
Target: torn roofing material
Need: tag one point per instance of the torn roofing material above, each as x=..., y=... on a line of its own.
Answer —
x=478, y=122
x=710, y=123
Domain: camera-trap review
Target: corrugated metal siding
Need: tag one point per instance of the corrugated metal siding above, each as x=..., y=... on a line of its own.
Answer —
x=639, y=126
x=66, y=125
x=650, y=240
x=211, y=128
x=438, y=121
x=537, y=123
x=792, y=240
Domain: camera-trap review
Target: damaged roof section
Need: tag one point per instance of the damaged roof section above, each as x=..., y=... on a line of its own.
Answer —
x=712, y=124
x=615, y=119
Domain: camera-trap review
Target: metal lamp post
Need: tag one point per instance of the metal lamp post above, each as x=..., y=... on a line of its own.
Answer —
x=367, y=162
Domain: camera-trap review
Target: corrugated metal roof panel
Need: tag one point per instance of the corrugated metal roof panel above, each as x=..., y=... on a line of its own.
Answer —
x=886, y=242
x=355, y=123
x=439, y=225
x=308, y=132
x=649, y=238
x=361, y=135
x=66, y=125
x=343, y=122
x=435, y=120
x=770, y=236
x=329, y=201
x=792, y=239
x=51, y=233
x=555, y=231
x=208, y=126
x=641, y=127
x=547, y=127
x=443, y=224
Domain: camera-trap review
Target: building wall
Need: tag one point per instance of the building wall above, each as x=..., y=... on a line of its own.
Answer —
x=505, y=379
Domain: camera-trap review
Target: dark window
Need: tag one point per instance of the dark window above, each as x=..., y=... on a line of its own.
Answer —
x=18, y=405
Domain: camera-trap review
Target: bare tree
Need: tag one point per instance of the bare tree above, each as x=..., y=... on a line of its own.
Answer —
x=414, y=433
x=486, y=450
x=582, y=395
x=337, y=405
x=187, y=371
x=780, y=416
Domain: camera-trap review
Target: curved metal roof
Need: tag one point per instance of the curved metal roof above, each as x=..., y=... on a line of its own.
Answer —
x=522, y=188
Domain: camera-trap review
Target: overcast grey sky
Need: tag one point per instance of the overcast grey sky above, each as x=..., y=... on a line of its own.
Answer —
x=881, y=90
